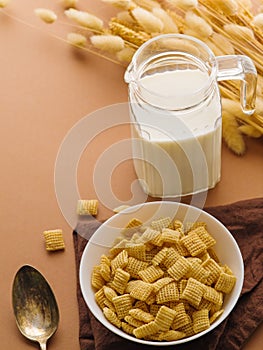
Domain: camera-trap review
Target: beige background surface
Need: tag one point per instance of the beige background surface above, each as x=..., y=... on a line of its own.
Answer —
x=46, y=88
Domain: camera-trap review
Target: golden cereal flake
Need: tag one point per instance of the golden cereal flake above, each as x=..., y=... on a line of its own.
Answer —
x=164, y=318
x=225, y=282
x=200, y=320
x=122, y=304
x=87, y=207
x=193, y=292
x=111, y=317
x=151, y=274
x=142, y=290
x=54, y=240
x=141, y=315
x=120, y=280
x=179, y=269
x=146, y=330
x=193, y=244
x=168, y=293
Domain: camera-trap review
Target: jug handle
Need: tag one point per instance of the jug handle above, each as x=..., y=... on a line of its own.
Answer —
x=239, y=67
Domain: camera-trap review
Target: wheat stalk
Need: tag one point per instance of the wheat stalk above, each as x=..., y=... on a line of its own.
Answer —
x=231, y=133
x=227, y=27
x=110, y=43
x=4, y=3
x=180, y=4
x=196, y=26
x=85, y=19
x=76, y=39
x=120, y=4
x=147, y=4
x=69, y=3
x=132, y=37
x=149, y=22
x=169, y=25
x=48, y=16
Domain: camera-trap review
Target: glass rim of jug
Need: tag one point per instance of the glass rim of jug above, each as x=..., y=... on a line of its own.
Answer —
x=136, y=69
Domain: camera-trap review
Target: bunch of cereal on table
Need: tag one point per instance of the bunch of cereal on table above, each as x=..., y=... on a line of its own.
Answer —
x=162, y=282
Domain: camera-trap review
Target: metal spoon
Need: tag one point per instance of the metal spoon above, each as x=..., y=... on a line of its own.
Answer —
x=34, y=305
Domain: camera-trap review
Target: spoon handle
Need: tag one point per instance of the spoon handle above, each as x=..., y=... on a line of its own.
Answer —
x=43, y=346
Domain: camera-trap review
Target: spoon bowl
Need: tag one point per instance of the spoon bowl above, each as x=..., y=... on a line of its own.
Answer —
x=34, y=304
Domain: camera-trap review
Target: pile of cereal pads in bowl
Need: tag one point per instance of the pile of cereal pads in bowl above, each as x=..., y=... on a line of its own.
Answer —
x=162, y=282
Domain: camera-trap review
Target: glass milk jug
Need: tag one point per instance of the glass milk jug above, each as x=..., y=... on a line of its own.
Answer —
x=175, y=112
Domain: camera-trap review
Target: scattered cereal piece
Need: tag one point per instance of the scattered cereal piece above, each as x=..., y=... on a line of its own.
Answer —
x=87, y=207
x=54, y=240
x=4, y=3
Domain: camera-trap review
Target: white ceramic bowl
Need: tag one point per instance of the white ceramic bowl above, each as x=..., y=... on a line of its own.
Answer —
x=226, y=249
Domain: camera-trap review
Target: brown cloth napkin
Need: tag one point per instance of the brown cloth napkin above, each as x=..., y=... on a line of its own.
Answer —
x=244, y=219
